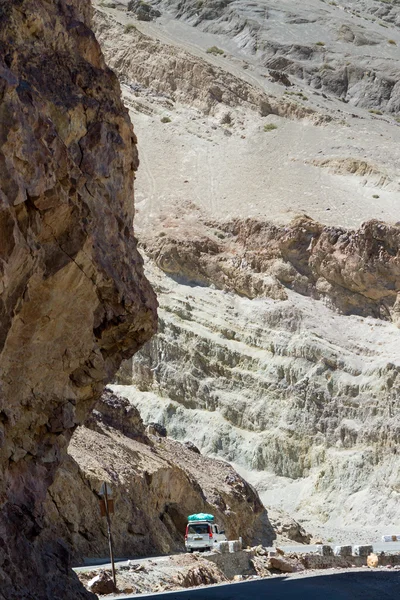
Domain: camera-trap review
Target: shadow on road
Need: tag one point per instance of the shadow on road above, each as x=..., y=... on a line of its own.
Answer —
x=369, y=585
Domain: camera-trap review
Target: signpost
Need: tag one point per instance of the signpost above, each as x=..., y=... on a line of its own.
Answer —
x=106, y=509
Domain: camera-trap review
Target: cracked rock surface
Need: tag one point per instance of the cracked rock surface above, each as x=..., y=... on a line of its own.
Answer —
x=73, y=298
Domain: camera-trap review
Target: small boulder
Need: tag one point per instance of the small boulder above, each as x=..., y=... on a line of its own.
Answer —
x=280, y=77
x=285, y=565
x=260, y=550
x=156, y=429
x=102, y=584
x=372, y=561
x=190, y=446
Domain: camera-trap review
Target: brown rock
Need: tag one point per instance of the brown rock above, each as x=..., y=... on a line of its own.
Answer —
x=358, y=271
x=203, y=574
x=155, y=487
x=261, y=566
x=287, y=528
x=73, y=298
x=285, y=565
x=190, y=446
x=102, y=584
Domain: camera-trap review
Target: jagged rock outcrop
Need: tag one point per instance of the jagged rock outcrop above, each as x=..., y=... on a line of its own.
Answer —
x=74, y=301
x=179, y=76
x=370, y=173
x=356, y=271
x=157, y=483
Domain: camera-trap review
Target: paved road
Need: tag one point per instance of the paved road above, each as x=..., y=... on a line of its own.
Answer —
x=104, y=563
x=354, y=585
x=93, y=564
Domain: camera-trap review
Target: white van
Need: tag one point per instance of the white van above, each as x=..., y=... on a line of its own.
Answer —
x=202, y=535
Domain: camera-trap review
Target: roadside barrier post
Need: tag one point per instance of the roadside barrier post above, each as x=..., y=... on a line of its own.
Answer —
x=106, y=509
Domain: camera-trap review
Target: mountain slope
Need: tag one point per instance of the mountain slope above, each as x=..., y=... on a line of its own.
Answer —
x=274, y=220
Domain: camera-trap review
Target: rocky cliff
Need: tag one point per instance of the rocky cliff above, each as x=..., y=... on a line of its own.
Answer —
x=278, y=351
x=74, y=300
x=157, y=483
x=309, y=40
x=356, y=271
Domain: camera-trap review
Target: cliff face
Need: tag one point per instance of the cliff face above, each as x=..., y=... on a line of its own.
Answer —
x=278, y=350
x=308, y=41
x=157, y=483
x=149, y=65
x=356, y=271
x=74, y=300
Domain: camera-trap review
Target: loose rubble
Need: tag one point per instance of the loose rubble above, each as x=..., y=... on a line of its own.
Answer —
x=229, y=562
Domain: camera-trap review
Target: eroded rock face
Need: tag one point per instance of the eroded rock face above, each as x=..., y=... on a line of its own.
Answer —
x=301, y=393
x=357, y=271
x=156, y=68
x=74, y=300
x=313, y=44
x=157, y=482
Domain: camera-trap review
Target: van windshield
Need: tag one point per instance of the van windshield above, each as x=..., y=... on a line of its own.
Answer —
x=199, y=528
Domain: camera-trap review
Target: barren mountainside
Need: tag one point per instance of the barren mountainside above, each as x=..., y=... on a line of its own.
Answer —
x=346, y=48
x=275, y=248
x=267, y=209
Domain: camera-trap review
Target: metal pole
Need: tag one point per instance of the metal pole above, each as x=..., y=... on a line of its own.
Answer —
x=110, y=542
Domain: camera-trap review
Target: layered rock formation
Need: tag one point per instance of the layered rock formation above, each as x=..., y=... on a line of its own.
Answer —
x=252, y=365
x=358, y=272
x=157, y=483
x=345, y=48
x=74, y=300
x=278, y=344
x=183, y=77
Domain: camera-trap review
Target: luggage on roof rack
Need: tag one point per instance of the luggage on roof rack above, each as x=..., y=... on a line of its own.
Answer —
x=201, y=517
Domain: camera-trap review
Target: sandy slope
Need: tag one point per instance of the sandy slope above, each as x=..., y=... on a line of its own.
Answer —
x=241, y=170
